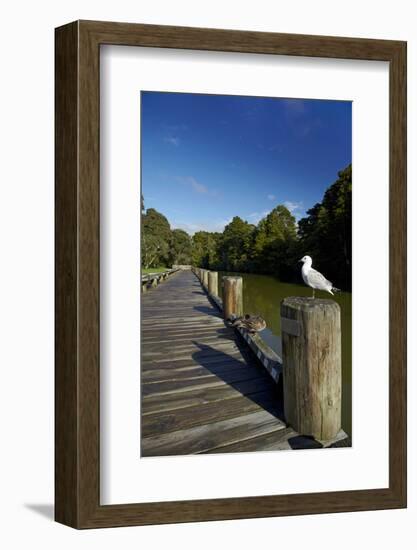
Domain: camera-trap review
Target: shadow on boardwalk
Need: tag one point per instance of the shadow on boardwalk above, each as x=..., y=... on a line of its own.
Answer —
x=228, y=369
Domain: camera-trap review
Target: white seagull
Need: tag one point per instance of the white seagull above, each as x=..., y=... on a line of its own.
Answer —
x=313, y=278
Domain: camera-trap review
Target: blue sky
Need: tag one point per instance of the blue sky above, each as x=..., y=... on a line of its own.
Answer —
x=207, y=158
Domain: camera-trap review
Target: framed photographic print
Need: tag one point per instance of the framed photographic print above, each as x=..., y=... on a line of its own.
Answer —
x=230, y=274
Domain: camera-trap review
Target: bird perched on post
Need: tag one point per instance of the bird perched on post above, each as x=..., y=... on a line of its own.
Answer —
x=252, y=323
x=314, y=279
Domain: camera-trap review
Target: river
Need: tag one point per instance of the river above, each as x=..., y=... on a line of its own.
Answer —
x=262, y=295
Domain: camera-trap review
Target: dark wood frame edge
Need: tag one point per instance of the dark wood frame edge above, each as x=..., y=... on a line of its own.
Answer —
x=77, y=360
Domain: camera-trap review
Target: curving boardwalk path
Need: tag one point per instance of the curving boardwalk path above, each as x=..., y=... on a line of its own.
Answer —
x=202, y=389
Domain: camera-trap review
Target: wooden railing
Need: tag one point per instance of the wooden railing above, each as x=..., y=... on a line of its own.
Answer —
x=231, y=303
x=311, y=362
x=151, y=280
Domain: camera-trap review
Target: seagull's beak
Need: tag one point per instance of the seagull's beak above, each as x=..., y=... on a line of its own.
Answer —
x=300, y=261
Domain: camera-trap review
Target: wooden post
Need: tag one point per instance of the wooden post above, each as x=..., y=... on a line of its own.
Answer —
x=212, y=283
x=312, y=366
x=232, y=296
x=205, y=278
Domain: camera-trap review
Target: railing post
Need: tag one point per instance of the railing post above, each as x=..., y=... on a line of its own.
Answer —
x=205, y=278
x=232, y=296
x=312, y=366
x=212, y=283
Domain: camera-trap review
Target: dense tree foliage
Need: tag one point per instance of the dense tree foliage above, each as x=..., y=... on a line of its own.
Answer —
x=161, y=246
x=156, y=236
x=180, y=247
x=274, y=243
x=273, y=246
x=235, y=245
x=205, y=249
x=326, y=233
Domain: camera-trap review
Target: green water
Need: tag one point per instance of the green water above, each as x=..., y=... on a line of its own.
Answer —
x=262, y=295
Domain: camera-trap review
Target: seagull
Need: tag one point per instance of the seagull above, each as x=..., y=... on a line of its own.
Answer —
x=314, y=279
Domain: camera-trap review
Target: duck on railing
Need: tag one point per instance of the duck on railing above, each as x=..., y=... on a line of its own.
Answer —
x=252, y=323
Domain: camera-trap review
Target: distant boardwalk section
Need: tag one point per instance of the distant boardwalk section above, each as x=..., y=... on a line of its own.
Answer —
x=182, y=267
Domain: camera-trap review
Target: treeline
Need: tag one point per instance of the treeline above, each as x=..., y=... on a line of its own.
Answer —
x=273, y=246
x=161, y=245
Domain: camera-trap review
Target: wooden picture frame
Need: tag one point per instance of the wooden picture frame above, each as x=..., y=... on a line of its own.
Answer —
x=77, y=405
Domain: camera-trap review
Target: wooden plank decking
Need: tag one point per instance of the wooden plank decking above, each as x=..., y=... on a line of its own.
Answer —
x=202, y=389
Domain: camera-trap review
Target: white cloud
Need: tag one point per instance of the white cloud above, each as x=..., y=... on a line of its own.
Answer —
x=256, y=217
x=271, y=197
x=172, y=140
x=197, y=186
x=293, y=206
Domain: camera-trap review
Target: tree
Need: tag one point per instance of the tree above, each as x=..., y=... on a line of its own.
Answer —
x=235, y=245
x=153, y=251
x=180, y=247
x=204, y=249
x=274, y=243
x=326, y=232
x=156, y=236
x=280, y=224
x=274, y=246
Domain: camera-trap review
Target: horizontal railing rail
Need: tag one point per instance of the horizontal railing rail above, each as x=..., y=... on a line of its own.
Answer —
x=154, y=279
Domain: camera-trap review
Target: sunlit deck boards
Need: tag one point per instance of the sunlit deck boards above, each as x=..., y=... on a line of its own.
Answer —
x=202, y=389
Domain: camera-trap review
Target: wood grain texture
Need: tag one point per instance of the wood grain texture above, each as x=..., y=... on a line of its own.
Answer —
x=77, y=274
x=232, y=297
x=312, y=366
x=213, y=282
x=66, y=235
x=186, y=358
x=205, y=278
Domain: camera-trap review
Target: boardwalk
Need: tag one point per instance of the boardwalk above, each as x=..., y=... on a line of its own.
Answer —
x=202, y=389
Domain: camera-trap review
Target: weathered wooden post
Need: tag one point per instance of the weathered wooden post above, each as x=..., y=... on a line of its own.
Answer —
x=312, y=366
x=205, y=278
x=232, y=296
x=212, y=283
